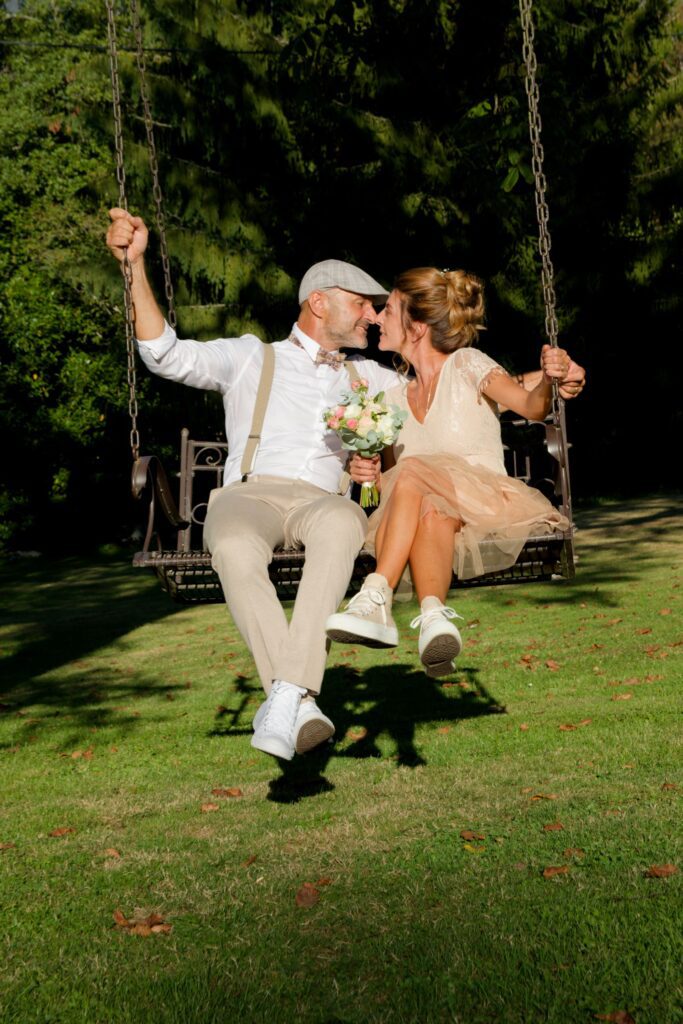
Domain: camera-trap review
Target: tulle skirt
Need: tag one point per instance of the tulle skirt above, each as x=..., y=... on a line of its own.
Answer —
x=498, y=512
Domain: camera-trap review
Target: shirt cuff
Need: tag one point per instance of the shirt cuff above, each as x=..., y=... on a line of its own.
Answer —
x=157, y=348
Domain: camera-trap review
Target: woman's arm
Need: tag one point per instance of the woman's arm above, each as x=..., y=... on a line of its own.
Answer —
x=532, y=405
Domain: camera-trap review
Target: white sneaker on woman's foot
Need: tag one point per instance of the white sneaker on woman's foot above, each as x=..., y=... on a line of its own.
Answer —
x=311, y=729
x=275, y=732
x=440, y=641
x=367, y=617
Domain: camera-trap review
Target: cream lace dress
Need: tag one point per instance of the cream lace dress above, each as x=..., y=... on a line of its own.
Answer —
x=456, y=459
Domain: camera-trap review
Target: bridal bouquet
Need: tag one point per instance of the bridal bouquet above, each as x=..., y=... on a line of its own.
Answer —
x=365, y=425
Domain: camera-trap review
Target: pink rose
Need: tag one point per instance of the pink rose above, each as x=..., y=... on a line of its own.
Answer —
x=333, y=422
x=339, y=412
x=355, y=384
x=352, y=424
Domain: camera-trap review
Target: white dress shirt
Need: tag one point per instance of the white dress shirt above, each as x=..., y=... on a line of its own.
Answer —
x=295, y=443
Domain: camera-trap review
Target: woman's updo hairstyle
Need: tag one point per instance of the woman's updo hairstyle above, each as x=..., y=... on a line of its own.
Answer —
x=451, y=302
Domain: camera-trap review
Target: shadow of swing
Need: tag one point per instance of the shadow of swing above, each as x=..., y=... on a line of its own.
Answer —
x=388, y=701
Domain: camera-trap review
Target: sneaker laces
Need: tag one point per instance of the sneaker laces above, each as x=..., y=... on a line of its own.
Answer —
x=366, y=602
x=281, y=709
x=424, y=618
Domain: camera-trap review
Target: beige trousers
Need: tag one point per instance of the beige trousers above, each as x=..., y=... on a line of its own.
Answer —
x=244, y=523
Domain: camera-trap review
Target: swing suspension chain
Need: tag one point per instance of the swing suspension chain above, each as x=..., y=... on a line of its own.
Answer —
x=153, y=162
x=126, y=269
x=542, y=213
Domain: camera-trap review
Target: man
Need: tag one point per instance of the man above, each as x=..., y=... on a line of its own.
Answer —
x=292, y=495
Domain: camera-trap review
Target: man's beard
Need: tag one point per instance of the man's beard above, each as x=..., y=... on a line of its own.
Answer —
x=350, y=339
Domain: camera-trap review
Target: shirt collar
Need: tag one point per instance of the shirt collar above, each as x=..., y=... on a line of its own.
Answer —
x=312, y=347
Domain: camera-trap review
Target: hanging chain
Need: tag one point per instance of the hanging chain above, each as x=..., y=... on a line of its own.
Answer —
x=542, y=214
x=126, y=268
x=153, y=162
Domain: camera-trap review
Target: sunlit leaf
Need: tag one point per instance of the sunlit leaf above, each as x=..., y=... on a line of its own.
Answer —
x=307, y=895
x=661, y=871
x=616, y=1017
x=553, y=826
x=64, y=831
x=561, y=869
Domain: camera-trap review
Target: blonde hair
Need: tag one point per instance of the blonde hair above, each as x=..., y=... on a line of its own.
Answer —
x=451, y=302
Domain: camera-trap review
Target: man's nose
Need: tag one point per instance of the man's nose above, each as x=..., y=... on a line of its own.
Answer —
x=370, y=313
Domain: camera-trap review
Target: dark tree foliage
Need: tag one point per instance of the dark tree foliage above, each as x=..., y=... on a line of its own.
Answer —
x=388, y=132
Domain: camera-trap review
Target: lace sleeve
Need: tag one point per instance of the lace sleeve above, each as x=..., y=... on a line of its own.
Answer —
x=478, y=368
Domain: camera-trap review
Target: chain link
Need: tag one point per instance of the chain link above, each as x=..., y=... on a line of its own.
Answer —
x=542, y=213
x=126, y=268
x=153, y=162
x=543, y=216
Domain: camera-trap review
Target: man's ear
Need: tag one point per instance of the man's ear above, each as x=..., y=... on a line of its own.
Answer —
x=317, y=303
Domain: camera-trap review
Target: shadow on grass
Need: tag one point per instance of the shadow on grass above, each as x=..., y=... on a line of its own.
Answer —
x=59, y=613
x=384, y=701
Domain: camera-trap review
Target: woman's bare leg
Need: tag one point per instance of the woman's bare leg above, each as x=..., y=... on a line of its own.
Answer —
x=431, y=555
x=397, y=531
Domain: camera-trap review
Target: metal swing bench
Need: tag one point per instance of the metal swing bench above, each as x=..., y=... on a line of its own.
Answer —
x=535, y=452
x=172, y=546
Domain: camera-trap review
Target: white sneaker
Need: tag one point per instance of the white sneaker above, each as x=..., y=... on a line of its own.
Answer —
x=440, y=641
x=277, y=720
x=367, y=618
x=312, y=727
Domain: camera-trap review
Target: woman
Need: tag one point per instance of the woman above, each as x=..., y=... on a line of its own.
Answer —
x=449, y=490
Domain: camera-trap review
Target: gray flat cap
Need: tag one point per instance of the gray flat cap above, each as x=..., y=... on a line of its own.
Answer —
x=337, y=274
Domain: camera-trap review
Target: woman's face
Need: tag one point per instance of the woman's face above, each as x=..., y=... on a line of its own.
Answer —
x=392, y=335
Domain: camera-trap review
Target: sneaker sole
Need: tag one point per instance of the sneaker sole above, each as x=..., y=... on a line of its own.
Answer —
x=274, y=746
x=312, y=734
x=441, y=651
x=368, y=634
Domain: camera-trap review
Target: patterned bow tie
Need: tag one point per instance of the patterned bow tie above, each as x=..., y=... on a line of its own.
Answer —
x=333, y=359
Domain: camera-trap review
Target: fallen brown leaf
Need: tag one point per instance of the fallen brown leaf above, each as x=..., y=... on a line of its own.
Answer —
x=568, y=728
x=469, y=835
x=562, y=869
x=307, y=896
x=324, y=881
x=585, y=721
x=523, y=727
x=111, y=852
x=554, y=826
x=545, y=796
x=153, y=924
x=616, y=1017
x=644, y=632
x=357, y=733
x=232, y=791
x=665, y=611
x=552, y=665
x=8, y=846
x=57, y=832
x=443, y=729
x=249, y=861
x=573, y=851
x=622, y=696
x=669, y=785
x=661, y=871
x=206, y=808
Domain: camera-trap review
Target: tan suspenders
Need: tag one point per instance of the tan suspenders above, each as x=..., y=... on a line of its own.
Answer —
x=260, y=406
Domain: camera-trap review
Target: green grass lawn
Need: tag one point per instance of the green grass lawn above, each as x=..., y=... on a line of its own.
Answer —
x=120, y=713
